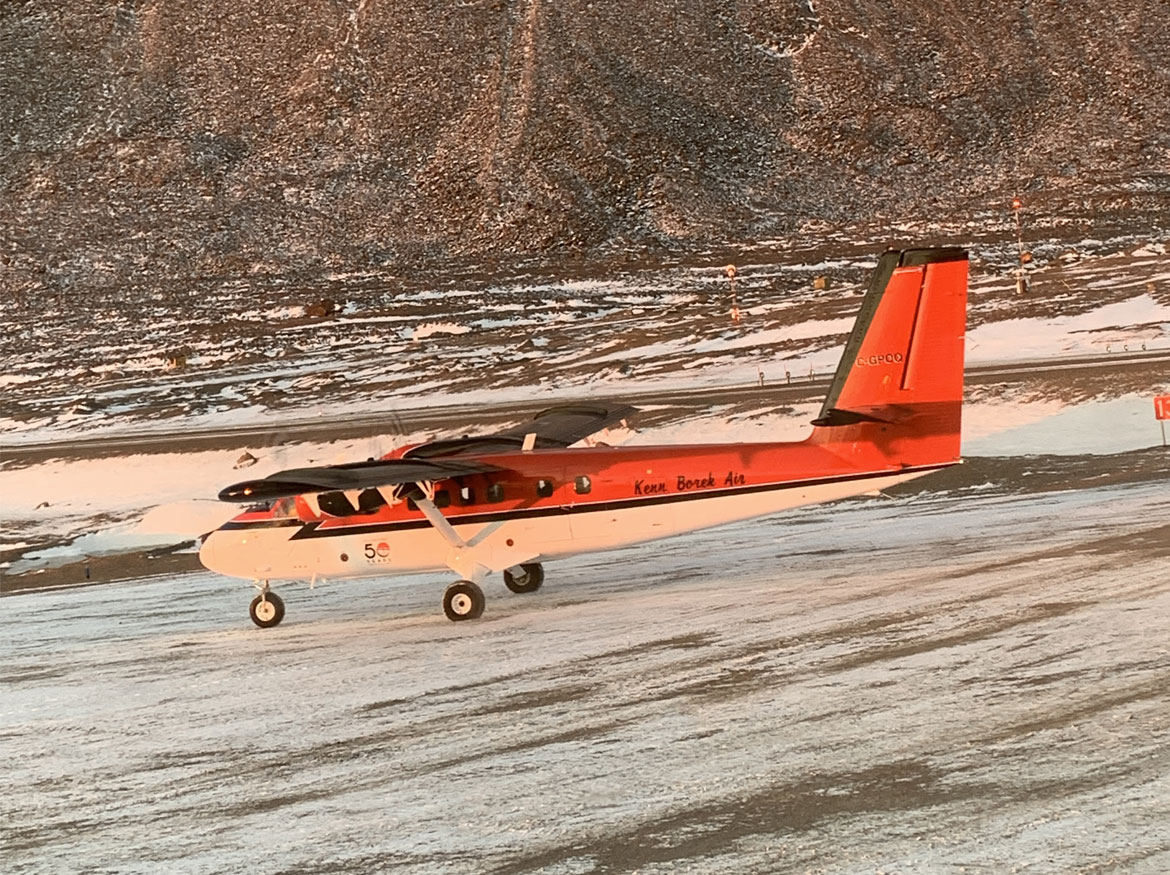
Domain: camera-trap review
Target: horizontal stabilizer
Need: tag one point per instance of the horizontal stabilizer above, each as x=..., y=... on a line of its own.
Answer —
x=836, y=416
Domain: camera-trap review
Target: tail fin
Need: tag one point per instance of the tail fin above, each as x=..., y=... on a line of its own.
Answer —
x=899, y=386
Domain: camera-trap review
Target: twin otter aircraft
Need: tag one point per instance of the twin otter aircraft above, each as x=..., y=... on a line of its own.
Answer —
x=510, y=501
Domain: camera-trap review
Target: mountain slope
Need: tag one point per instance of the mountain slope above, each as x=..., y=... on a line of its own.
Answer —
x=145, y=140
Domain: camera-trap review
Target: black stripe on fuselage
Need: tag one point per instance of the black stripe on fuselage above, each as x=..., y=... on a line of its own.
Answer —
x=314, y=529
x=232, y=525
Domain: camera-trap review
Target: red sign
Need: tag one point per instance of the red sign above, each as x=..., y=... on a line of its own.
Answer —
x=1162, y=406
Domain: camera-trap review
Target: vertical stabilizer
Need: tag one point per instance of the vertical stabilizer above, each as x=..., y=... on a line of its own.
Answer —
x=899, y=386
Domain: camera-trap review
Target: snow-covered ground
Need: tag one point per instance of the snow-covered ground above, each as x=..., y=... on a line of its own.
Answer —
x=974, y=681
x=972, y=676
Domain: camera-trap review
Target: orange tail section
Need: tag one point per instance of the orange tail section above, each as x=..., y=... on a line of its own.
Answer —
x=897, y=395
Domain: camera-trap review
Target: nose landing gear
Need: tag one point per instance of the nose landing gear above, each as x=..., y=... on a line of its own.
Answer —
x=267, y=609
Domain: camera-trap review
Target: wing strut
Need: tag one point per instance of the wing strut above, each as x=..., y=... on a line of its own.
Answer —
x=464, y=559
x=473, y=560
x=435, y=518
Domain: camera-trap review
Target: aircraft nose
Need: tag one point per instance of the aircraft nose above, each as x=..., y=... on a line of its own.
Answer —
x=227, y=553
x=207, y=551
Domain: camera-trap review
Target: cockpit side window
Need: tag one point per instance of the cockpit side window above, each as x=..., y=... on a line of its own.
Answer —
x=336, y=504
x=369, y=500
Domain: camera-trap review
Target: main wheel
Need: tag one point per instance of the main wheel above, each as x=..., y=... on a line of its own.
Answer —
x=267, y=610
x=463, y=601
x=528, y=580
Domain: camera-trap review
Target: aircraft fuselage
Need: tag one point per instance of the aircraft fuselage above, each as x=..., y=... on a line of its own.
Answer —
x=549, y=504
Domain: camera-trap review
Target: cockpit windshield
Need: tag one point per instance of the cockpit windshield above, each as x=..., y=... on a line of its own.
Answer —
x=284, y=508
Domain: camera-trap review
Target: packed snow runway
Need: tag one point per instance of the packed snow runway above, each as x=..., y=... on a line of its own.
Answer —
x=959, y=679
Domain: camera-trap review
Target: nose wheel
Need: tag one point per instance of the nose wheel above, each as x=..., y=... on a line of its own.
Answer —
x=463, y=601
x=267, y=609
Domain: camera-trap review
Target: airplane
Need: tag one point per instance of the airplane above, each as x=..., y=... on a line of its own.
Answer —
x=510, y=501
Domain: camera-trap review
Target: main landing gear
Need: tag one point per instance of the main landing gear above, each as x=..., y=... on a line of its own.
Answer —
x=464, y=600
x=524, y=578
x=267, y=609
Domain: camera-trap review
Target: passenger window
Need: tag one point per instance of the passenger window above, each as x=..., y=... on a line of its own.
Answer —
x=495, y=492
x=583, y=485
x=466, y=495
x=544, y=488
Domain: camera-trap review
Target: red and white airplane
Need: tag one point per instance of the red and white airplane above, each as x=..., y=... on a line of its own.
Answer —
x=510, y=501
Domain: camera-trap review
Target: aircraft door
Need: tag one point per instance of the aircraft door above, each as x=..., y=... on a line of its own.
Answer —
x=551, y=521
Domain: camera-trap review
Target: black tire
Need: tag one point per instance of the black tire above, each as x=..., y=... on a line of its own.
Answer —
x=270, y=614
x=529, y=580
x=463, y=601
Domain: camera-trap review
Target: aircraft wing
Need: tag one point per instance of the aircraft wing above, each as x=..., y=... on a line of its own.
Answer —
x=556, y=427
x=434, y=461
x=569, y=423
x=351, y=476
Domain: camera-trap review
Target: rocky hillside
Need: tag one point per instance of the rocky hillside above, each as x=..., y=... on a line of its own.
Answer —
x=143, y=141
